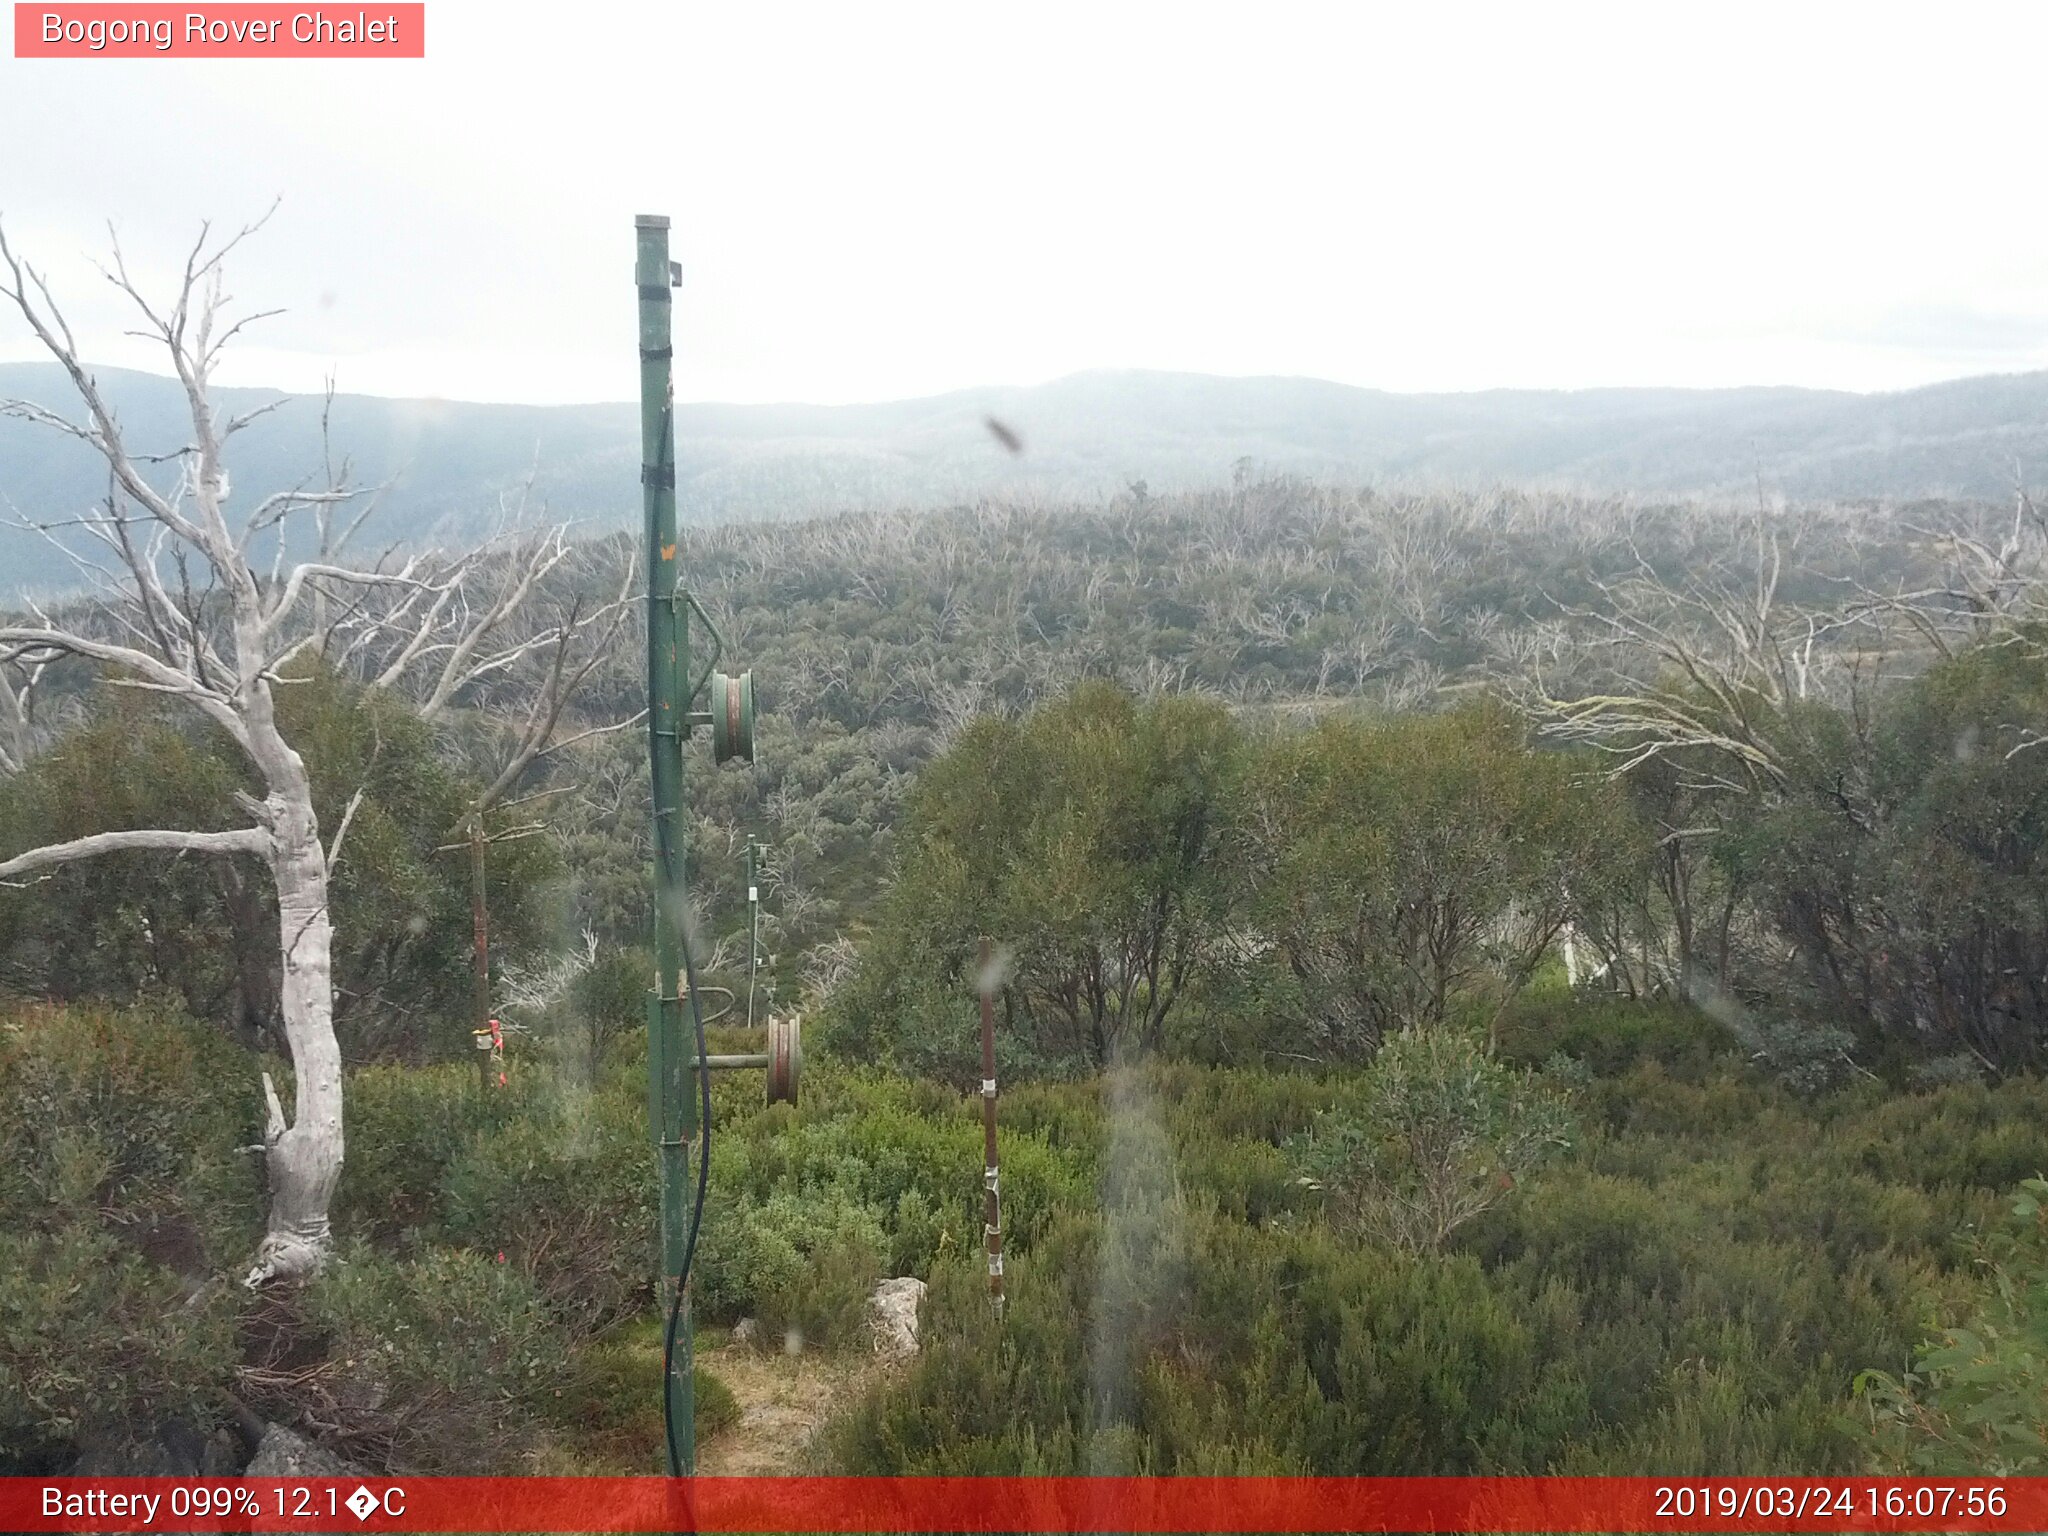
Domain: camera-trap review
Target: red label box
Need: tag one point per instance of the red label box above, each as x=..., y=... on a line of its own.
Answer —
x=373, y=30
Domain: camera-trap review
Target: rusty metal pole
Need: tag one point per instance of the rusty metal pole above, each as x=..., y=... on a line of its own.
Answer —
x=480, y=920
x=992, y=1201
x=753, y=929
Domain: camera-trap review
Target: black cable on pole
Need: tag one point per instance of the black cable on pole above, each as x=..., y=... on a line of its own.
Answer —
x=660, y=476
x=675, y=1305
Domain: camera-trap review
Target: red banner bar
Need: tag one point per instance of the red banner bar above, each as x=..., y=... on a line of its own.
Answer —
x=1033, y=1504
x=373, y=30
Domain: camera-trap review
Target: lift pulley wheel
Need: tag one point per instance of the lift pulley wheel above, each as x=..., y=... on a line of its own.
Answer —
x=732, y=717
x=785, y=1058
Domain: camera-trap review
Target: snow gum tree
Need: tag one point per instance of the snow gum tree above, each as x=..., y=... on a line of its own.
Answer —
x=224, y=650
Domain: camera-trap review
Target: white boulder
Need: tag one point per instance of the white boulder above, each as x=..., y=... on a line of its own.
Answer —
x=895, y=1305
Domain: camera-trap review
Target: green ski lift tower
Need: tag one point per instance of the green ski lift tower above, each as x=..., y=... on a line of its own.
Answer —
x=676, y=1052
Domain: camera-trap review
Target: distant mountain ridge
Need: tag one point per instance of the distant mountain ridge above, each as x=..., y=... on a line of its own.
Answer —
x=1086, y=436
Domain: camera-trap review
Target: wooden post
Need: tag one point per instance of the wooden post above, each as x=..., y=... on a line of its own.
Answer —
x=992, y=1202
x=480, y=917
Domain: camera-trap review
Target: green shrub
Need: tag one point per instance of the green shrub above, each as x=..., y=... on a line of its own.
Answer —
x=1977, y=1405
x=1693, y=1287
x=611, y=1411
x=1949, y=1139
x=1413, y=868
x=445, y=1362
x=1418, y=1364
x=879, y=1141
x=796, y=1261
x=983, y=1397
x=1609, y=1035
x=606, y=1003
x=123, y=925
x=565, y=1188
x=716, y=1408
x=95, y=1338
x=406, y=1125
x=1248, y=1351
x=1066, y=1116
x=143, y=1105
x=1442, y=1135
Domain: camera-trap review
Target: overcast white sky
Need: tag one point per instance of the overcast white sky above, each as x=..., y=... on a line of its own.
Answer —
x=875, y=200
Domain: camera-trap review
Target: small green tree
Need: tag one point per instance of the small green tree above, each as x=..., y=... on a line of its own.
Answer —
x=1400, y=866
x=608, y=1001
x=1091, y=840
x=1442, y=1134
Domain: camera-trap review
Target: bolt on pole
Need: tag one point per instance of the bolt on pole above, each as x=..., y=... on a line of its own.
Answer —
x=671, y=1050
x=992, y=1200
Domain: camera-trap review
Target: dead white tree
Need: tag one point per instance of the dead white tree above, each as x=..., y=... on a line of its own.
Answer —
x=1724, y=659
x=225, y=655
x=18, y=724
x=1990, y=582
x=1697, y=690
x=485, y=628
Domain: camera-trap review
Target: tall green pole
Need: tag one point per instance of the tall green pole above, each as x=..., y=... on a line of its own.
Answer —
x=671, y=1049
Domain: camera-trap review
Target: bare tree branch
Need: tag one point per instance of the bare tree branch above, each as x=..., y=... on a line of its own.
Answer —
x=244, y=840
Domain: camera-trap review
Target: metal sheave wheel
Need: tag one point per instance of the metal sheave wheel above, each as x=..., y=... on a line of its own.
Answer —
x=785, y=1058
x=732, y=717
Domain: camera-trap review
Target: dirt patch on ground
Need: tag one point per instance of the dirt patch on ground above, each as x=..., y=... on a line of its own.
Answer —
x=783, y=1400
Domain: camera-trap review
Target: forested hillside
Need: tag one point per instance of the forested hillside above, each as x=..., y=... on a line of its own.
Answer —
x=1489, y=983
x=447, y=464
